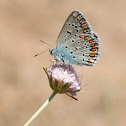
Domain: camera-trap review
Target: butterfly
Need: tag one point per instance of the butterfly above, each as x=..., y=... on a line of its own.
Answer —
x=77, y=43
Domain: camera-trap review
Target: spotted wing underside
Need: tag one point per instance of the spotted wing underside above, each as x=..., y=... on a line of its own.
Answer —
x=81, y=46
x=75, y=24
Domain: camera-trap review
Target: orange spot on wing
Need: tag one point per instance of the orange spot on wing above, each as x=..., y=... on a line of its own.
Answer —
x=82, y=26
x=84, y=31
x=92, y=45
x=90, y=41
x=93, y=50
x=85, y=38
x=80, y=22
x=81, y=36
x=89, y=61
x=92, y=55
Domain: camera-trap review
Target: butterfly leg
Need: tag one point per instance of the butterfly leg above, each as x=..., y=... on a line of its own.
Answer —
x=53, y=61
x=72, y=96
x=78, y=70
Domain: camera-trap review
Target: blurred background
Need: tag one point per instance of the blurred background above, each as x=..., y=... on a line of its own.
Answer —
x=24, y=86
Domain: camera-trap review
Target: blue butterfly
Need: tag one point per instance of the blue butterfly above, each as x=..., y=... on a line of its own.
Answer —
x=77, y=43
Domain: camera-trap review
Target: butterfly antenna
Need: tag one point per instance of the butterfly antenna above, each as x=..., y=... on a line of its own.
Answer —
x=72, y=97
x=40, y=53
x=46, y=43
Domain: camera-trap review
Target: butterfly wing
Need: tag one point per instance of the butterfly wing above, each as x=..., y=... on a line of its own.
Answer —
x=75, y=24
x=82, y=50
x=77, y=43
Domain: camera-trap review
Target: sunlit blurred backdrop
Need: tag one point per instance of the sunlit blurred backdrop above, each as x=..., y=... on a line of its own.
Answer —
x=23, y=84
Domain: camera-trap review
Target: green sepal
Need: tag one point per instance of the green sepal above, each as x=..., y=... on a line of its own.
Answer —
x=75, y=90
x=46, y=72
x=51, y=83
x=50, y=79
x=60, y=87
x=56, y=85
x=65, y=88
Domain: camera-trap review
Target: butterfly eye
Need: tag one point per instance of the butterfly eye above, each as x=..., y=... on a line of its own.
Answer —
x=51, y=52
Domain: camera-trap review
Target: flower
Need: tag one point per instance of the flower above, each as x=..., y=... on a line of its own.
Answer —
x=63, y=79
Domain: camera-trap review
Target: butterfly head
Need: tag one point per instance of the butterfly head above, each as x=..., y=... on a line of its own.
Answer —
x=55, y=52
x=51, y=51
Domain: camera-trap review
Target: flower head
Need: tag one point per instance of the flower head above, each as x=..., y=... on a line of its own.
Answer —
x=63, y=79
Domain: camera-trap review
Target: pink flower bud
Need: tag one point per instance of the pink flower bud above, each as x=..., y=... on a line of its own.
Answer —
x=63, y=79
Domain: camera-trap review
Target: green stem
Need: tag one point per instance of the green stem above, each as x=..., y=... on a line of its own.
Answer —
x=40, y=109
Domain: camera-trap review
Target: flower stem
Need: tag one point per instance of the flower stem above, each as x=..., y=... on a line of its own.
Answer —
x=40, y=109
